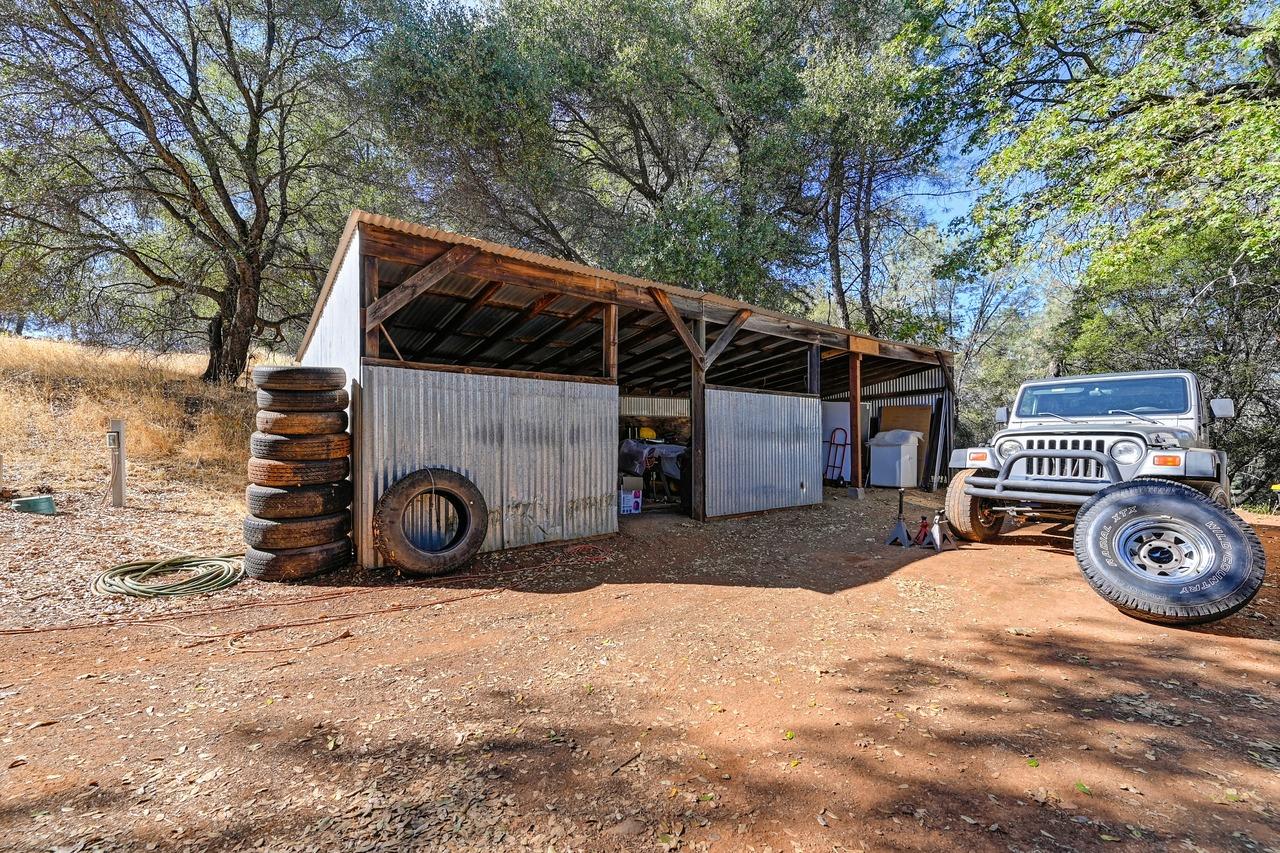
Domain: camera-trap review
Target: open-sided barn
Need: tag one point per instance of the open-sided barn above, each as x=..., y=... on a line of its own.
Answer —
x=522, y=372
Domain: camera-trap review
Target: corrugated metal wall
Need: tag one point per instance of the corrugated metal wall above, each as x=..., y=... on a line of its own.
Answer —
x=764, y=451
x=543, y=453
x=654, y=407
x=337, y=338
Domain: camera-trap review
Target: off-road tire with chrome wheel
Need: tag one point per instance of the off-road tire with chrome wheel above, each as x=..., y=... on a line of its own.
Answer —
x=971, y=518
x=1164, y=552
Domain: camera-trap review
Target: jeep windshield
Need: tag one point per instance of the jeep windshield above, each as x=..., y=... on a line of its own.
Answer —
x=1091, y=398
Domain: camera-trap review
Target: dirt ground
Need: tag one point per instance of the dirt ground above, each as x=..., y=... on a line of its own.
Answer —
x=782, y=682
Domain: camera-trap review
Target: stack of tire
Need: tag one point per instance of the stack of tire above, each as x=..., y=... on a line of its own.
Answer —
x=299, y=497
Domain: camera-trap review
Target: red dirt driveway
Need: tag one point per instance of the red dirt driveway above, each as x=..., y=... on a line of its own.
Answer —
x=781, y=682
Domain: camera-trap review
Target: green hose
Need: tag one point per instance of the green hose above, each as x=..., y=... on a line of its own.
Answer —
x=211, y=574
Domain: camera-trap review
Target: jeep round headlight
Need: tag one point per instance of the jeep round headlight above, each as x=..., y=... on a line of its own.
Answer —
x=1008, y=447
x=1126, y=452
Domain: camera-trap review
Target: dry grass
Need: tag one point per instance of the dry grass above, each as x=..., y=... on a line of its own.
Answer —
x=58, y=399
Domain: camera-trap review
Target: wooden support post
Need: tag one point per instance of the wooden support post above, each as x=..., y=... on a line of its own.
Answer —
x=813, y=378
x=610, y=345
x=119, y=464
x=855, y=424
x=370, y=283
x=698, y=425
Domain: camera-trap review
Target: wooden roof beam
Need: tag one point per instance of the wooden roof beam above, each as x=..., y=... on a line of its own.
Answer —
x=454, y=260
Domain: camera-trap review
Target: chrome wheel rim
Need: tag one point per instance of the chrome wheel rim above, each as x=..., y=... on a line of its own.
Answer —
x=1165, y=550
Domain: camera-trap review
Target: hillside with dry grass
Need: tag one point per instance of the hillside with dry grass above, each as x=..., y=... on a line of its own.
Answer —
x=58, y=399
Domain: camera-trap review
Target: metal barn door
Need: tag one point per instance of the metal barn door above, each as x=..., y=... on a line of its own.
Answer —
x=764, y=451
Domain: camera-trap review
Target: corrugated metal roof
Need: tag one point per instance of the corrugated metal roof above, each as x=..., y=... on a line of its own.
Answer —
x=359, y=217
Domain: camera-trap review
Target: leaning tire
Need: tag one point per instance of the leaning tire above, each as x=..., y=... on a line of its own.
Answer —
x=271, y=534
x=303, y=401
x=273, y=472
x=1163, y=552
x=305, y=448
x=970, y=517
x=297, y=563
x=271, y=502
x=300, y=378
x=392, y=540
x=301, y=423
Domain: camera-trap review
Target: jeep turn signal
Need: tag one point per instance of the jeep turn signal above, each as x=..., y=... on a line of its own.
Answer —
x=1166, y=461
x=977, y=456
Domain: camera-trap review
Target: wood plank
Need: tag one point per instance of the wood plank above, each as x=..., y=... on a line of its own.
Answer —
x=484, y=371
x=369, y=287
x=726, y=337
x=610, y=366
x=663, y=301
x=454, y=260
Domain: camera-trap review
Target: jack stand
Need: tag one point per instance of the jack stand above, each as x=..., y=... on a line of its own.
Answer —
x=939, y=537
x=900, y=535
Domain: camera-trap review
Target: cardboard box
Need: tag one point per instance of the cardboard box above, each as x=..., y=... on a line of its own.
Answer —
x=629, y=501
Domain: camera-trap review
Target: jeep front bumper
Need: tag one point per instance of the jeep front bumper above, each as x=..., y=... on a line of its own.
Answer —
x=1054, y=490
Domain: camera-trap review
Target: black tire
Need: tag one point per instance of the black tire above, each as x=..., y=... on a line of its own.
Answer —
x=1163, y=552
x=301, y=423
x=286, y=378
x=303, y=401
x=392, y=540
x=1212, y=490
x=272, y=535
x=297, y=563
x=273, y=472
x=304, y=448
x=970, y=517
x=275, y=503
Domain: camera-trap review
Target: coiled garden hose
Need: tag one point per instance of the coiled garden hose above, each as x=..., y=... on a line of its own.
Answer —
x=210, y=575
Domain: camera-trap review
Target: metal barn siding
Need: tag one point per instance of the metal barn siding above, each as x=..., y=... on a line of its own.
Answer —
x=543, y=453
x=337, y=338
x=764, y=451
x=654, y=407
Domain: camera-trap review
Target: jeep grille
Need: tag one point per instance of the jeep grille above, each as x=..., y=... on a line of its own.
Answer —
x=1084, y=469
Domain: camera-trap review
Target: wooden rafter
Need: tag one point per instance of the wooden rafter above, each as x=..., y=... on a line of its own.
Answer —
x=496, y=333
x=453, y=324
x=454, y=260
x=663, y=301
x=551, y=334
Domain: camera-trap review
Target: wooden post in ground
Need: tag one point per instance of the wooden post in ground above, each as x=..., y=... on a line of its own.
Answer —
x=855, y=424
x=698, y=424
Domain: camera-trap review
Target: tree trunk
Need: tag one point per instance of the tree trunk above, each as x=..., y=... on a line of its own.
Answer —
x=834, y=213
x=863, y=226
x=231, y=330
x=19, y=324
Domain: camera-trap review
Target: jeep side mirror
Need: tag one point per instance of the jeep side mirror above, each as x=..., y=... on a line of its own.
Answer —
x=1222, y=408
x=1002, y=414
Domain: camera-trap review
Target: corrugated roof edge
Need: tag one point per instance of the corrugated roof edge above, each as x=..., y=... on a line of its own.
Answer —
x=358, y=217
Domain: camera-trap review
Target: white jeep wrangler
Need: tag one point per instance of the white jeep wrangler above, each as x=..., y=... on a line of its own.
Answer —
x=1126, y=457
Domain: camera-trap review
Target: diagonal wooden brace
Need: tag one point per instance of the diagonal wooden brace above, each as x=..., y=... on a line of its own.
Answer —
x=453, y=260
